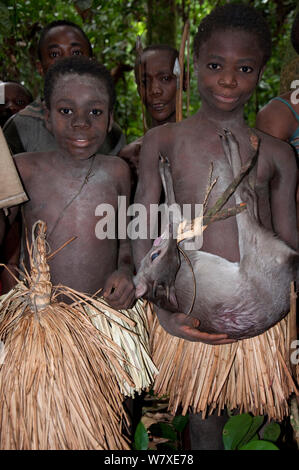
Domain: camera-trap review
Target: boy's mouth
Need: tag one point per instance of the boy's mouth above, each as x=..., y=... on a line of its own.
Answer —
x=226, y=99
x=80, y=142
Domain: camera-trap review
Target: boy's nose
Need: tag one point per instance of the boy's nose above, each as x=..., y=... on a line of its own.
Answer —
x=228, y=79
x=80, y=121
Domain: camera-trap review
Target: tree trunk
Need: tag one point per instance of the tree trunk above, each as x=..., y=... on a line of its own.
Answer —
x=161, y=22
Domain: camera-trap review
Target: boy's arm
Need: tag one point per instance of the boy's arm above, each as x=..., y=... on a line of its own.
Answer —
x=148, y=192
x=119, y=289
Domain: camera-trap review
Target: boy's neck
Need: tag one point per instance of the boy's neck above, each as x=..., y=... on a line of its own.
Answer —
x=230, y=119
x=72, y=167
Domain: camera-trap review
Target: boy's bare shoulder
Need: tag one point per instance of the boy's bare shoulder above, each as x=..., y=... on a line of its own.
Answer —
x=28, y=160
x=117, y=169
x=165, y=133
x=112, y=163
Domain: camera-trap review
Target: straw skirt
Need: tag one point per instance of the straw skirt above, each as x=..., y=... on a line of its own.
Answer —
x=253, y=375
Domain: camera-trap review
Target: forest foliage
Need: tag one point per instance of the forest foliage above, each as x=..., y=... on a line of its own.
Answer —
x=113, y=26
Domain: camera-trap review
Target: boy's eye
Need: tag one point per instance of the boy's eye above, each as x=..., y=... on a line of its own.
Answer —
x=54, y=54
x=65, y=111
x=165, y=78
x=96, y=112
x=246, y=69
x=214, y=66
x=77, y=52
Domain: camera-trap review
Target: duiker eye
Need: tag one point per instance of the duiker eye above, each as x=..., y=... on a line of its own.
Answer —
x=155, y=255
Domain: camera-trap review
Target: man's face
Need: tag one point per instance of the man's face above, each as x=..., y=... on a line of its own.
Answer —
x=158, y=85
x=59, y=42
x=229, y=66
x=79, y=117
x=15, y=99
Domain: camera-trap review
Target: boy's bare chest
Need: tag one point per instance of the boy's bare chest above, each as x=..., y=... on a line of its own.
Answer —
x=199, y=166
x=197, y=171
x=73, y=202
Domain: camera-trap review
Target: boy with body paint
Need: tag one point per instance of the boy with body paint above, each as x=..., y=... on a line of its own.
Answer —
x=27, y=130
x=231, y=49
x=65, y=186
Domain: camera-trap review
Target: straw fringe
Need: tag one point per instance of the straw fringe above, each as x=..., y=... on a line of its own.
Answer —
x=61, y=379
x=253, y=375
x=134, y=342
x=57, y=388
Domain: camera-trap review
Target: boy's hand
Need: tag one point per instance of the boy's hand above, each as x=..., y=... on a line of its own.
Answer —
x=186, y=327
x=119, y=290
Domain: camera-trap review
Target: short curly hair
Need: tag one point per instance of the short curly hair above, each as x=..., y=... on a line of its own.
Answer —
x=56, y=24
x=295, y=34
x=78, y=66
x=235, y=16
x=155, y=47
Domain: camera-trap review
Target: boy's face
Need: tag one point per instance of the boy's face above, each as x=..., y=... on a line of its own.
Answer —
x=59, y=42
x=229, y=66
x=15, y=98
x=158, y=85
x=79, y=117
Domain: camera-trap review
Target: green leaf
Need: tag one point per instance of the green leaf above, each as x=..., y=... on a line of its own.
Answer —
x=180, y=422
x=235, y=430
x=259, y=445
x=257, y=422
x=163, y=430
x=271, y=432
x=141, y=437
